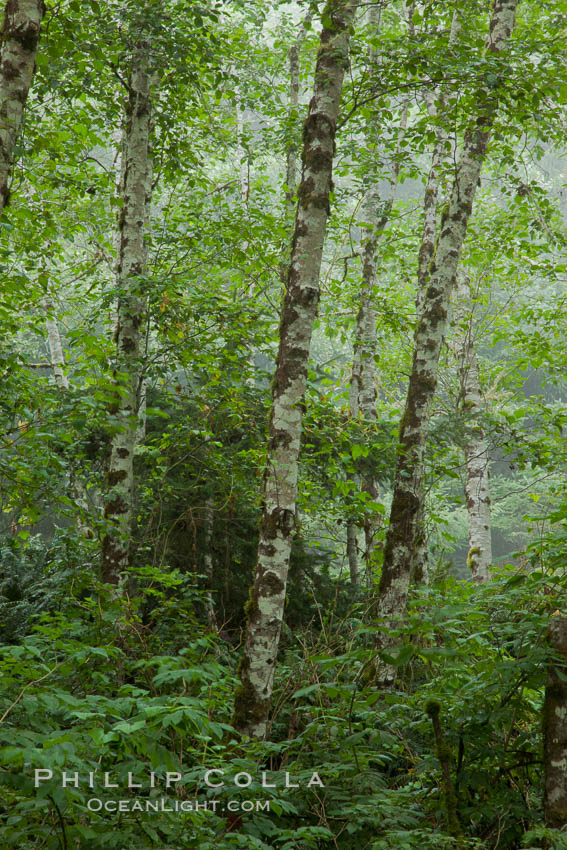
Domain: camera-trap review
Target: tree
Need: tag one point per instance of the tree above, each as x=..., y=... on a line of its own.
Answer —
x=267, y=598
x=20, y=39
x=292, y=152
x=477, y=490
x=430, y=332
x=437, y=109
x=474, y=656
x=554, y=735
x=376, y=213
x=131, y=272
x=57, y=356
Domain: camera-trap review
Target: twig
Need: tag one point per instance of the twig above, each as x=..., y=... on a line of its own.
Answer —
x=61, y=821
x=24, y=689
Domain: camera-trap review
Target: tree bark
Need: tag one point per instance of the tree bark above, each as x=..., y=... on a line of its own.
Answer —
x=267, y=598
x=57, y=357
x=439, y=161
x=208, y=561
x=242, y=154
x=555, y=728
x=477, y=489
x=430, y=333
x=292, y=150
x=352, y=551
x=132, y=261
x=362, y=391
x=55, y=345
x=208, y=525
x=20, y=39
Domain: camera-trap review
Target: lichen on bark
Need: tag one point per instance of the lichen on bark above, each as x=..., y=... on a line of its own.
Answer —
x=20, y=38
x=391, y=600
x=376, y=212
x=477, y=489
x=555, y=727
x=265, y=613
x=136, y=190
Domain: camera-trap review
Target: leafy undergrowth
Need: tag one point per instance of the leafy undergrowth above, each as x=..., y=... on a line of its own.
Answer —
x=110, y=684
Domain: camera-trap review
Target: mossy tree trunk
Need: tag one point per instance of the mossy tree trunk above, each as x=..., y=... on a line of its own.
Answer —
x=131, y=271
x=292, y=144
x=555, y=728
x=292, y=148
x=436, y=105
x=20, y=39
x=477, y=461
x=362, y=389
x=429, y=336
x=267, y=597
x=376, y=213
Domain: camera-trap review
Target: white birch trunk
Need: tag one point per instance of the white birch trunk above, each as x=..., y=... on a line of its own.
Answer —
x=244, y=184
x=430, y=332
x=208, y=563
x=242, y=155
x=20, y=39
x=267, y=599
x=132, y=261
x=292, y=149
x=477, y=464
x=55, y=345
x=554, y=727
x=292, y=152
x=118, y=138
x=352, y=551
x=442, y=154
x=441, y=157
x=208, y=520
x=57, y=357
x=363, y=392
x=142, y=405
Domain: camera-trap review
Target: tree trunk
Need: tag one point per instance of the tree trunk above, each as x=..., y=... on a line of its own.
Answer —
x=292, y=148
x=362, y=392
x=292, y=151
x=439, y=161
x=242, y=154
x=57, y=357
x=142, y=410
x=430, y=332
x=132, y=260
x=55, y=345
x=441, y=157
x=352, y=551
x=477, y=490
x=419, y=574
x=555, y=728
x=20, y=38
x=208, y=520
x=208, y=536
x=266, y=606
x=208, y=524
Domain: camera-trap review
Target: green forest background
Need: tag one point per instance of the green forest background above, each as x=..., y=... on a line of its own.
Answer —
x=139, y=675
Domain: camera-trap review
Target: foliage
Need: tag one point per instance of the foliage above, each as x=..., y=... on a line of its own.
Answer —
x=135, y=679
x=104, y=684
